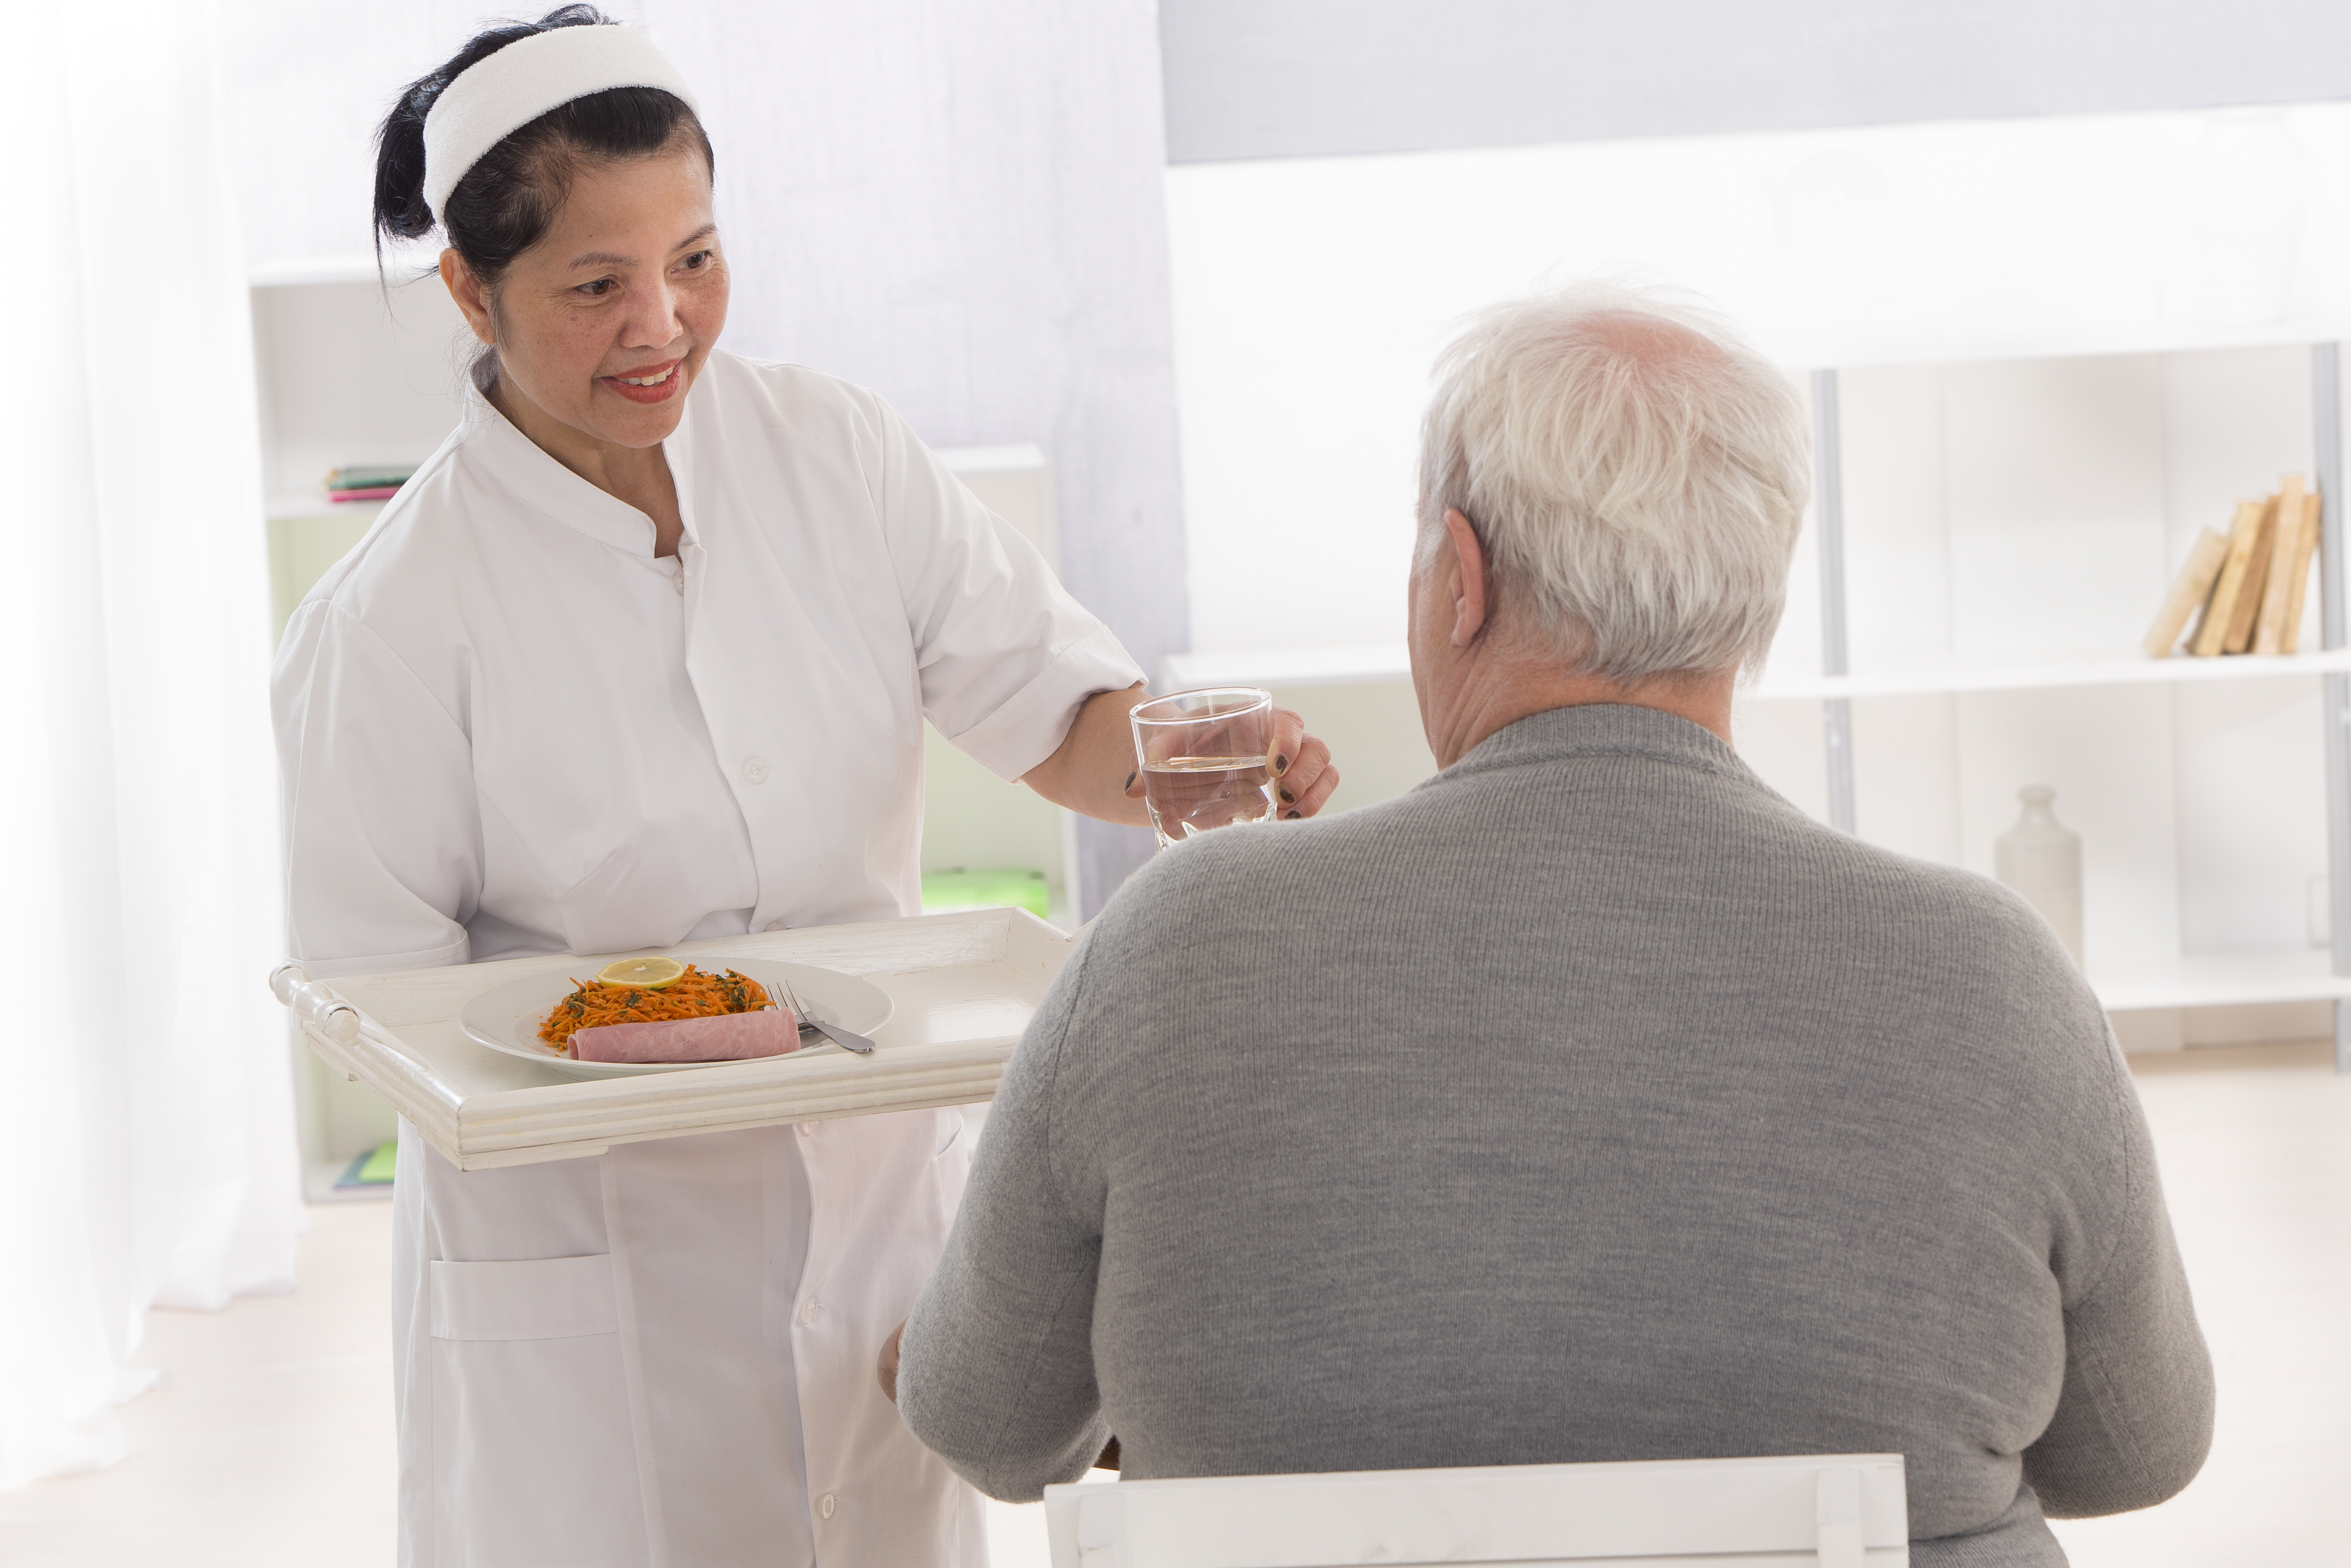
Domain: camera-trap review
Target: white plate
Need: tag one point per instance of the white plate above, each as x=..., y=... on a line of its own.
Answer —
x=507, y=1018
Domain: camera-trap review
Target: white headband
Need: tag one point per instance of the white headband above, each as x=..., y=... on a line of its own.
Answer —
x=496, y=96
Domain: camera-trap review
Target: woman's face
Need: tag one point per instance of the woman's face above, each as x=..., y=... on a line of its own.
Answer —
x=604, y=323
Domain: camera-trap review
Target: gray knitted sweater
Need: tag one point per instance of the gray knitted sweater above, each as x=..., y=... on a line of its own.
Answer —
x=1587, y=1102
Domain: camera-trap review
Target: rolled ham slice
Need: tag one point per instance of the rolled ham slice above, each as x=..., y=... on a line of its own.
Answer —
x=730, y=1036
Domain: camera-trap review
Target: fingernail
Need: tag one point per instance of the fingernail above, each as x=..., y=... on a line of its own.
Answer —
x=1281, y=765
x=1293, y=816
x=1130, y=781
x=1287, y=798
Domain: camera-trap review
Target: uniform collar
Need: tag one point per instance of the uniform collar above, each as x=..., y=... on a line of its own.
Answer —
x=547, y=487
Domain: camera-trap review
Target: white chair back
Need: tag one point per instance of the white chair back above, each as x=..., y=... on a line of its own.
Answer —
x=1847, y=1510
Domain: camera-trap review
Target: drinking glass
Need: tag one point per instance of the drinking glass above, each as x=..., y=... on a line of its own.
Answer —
x=1206, y=758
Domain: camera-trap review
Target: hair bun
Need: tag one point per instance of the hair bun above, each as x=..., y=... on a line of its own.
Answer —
x=400, y=205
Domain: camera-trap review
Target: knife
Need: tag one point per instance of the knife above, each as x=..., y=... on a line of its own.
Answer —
x=848, y=1040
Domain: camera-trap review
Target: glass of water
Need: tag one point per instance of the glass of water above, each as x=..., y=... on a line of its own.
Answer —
x=1206, y=758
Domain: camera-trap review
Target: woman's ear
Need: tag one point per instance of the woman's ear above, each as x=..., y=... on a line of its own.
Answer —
x=471, y=296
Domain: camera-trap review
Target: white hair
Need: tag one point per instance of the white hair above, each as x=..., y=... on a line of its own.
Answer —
x=1637, y=475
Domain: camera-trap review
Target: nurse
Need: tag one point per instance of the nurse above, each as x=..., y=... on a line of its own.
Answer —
x=642, y=654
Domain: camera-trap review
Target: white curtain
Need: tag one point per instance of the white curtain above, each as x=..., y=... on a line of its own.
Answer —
x=147, y=1151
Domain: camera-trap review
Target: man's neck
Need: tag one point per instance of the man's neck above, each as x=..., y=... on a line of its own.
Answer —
x=1496, y=687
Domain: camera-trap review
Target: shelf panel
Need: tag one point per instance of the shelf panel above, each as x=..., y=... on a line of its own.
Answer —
x=2221, y=980
x=319, y=1179
x=401, y=264
x=1354, y=664
x=1372, y=663
x=299, y=508
x=2044, y=675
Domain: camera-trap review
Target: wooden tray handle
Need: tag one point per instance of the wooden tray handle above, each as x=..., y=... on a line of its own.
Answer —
x=314, y=1004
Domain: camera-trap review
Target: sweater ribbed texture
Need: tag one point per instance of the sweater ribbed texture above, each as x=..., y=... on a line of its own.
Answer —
x=1587, y=1102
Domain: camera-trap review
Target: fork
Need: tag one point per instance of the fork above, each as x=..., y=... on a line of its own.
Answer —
x=845, y=1039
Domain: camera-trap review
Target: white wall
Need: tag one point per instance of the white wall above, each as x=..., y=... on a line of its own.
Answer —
x=1247, y=79
x=956, y=205
x=1312, y=294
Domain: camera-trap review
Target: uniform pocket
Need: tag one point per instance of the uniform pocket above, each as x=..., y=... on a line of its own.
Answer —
x=539, y=1297
x=534, y=1446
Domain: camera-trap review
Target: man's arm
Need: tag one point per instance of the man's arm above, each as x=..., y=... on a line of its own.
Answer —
x=996, y=1371
x=2135, y=1417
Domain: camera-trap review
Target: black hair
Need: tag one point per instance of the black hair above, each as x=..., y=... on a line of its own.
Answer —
x=503, y=206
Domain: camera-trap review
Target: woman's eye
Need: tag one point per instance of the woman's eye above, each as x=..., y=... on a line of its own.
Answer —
x=599, y=288
x=697, y=261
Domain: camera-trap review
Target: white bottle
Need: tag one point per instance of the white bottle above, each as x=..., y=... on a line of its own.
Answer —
x=2043, y=860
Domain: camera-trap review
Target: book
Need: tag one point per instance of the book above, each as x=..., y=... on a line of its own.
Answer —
x=373, y=1169
x=2189, y=589
x=2280, y=584
x=370, y=477
x=2244, y=533
x=2248, y=605
x=2314, y=511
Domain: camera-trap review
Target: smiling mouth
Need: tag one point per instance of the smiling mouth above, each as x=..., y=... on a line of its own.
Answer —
x=654, y=385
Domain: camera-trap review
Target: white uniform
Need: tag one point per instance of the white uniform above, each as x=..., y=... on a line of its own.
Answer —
x=507, y=728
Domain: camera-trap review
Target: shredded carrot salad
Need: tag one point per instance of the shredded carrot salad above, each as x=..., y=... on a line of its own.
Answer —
x=697, y=994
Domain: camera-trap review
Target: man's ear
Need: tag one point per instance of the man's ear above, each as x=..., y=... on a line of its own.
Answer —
x=1472, y=605
x=472, y=299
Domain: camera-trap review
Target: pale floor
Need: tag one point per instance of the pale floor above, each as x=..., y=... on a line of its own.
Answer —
x=268, y=1443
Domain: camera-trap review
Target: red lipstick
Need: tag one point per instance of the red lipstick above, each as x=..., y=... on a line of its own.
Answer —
x=629, y=384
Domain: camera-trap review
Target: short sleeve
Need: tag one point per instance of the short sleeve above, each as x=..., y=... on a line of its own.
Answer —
x=383, y=837
x=1007, y=656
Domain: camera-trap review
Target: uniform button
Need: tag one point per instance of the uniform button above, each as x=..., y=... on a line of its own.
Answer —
x=755, y=770
x=778, y=926
x=824, y=1505
x=678, y=581
x=808, y=1310
x=807, y=1129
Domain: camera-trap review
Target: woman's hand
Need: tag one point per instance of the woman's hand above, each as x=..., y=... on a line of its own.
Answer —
x=1302, y=765
x=1303, y=777
x=1093, y=771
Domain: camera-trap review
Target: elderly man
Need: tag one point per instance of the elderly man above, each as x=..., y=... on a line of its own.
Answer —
x=1589, y=1102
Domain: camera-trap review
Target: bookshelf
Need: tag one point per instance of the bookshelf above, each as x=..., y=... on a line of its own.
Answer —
x=348, y=372
x=2167, y=755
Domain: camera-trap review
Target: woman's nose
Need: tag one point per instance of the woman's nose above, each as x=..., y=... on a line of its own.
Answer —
x=652, y=320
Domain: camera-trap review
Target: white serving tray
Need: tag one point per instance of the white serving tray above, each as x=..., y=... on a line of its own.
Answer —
x=963, y=987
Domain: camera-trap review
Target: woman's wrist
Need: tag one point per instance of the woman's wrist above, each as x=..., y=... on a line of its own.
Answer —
x=1093, y=770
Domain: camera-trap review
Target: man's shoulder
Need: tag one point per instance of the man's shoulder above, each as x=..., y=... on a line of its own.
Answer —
x=1930, y=887
x=1207, y=867
x=1457, y=833
x=1209, y=891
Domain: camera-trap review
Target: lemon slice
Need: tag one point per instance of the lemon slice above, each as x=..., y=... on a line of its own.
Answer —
x=645, y=974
